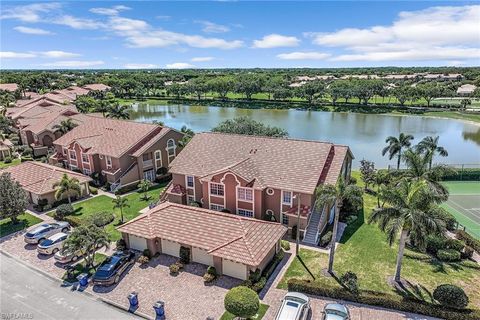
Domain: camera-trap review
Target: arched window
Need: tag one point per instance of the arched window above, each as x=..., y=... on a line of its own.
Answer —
x=171, y=149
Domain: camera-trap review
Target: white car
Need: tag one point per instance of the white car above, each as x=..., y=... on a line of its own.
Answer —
x=53, y=244
x=295, y=306
x=66, y=257
x=335, y=311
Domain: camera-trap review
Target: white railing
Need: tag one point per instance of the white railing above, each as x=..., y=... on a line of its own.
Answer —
x=322, y=218
x=309, y=218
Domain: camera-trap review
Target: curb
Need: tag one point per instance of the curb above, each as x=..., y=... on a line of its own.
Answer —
x=92, y=295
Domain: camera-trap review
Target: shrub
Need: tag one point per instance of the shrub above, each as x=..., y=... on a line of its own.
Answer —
x=435, y=243
x=294, y=232
x=74, y=221
x=454, y=244
x=63, y=210
x=185, y=255
x=207, y=277
x=143, y=260
x=25, y=159
x=212, y=270
x=469, y=240
x=351, y=219
x=325, y=239
x=8, y=160
x=259, y=285
x=242, y=302
x=467, y=252
x=448, y=255
x=285, y=245
x=175, y=268
x=147, y=253
x=125, y=189
x=255, y=276
x=102, y=218
x=451, y=296
x=350, y=281
x=93, y=190
x=162, y=171
x=121, y=244
x=267, y=272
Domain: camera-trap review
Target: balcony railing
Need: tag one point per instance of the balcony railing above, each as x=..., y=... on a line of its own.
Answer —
x=147, y=163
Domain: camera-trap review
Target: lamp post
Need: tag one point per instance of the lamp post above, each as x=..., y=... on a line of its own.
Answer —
x=297, y=236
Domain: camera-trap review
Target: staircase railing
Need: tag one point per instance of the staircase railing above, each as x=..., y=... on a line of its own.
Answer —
x=115, y=185
x=320, y=223
x=312, y=212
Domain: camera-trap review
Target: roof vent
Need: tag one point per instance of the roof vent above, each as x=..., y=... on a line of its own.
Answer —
x=253, y=151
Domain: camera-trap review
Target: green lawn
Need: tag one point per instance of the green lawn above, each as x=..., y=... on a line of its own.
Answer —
x=24, y=221
x=80, y=268
x=463, y=187
x=6, y=165
x=261, y=312
x=364, y=250
x=101, y=203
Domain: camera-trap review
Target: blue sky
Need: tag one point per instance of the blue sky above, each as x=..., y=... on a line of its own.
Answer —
x=143, y=34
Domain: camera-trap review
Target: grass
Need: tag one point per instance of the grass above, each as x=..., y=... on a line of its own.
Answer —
x=454, y=115
x=462, y=187
x=24, y=221
x=14, y=162
x=81, y=268
x=89, y=207
x=261, y=313
x=364, y=250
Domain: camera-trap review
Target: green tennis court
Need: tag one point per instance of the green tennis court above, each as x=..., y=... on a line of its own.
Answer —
x=464, y=204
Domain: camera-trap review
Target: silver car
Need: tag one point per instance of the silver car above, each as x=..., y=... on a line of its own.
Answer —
x=45, y=230
x=53, y=244
x=65, y=257
x=295, y=306
x=335, y=311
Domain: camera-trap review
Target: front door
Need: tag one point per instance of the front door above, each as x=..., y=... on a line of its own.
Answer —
x=149, y=175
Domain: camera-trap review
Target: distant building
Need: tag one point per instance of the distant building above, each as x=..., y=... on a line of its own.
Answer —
x=10, y=87
x=466, y=90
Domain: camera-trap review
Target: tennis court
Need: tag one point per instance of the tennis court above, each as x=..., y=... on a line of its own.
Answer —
x=464, y=204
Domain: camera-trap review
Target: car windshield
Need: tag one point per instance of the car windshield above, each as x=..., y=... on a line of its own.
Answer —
x=335, y=312
x=46, y=242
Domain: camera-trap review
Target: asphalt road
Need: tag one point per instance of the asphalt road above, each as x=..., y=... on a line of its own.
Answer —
x=27, y=294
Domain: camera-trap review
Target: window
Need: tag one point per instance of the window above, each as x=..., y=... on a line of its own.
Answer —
x=245, y=213
x=73, y=167
x=108, y=160
x=287, y=197
x=64, y=152
x=158, y=155
x=85, y=158
x=245, y=194
x=171, y=147
x=190, y=199
x=216, y=189
x=285, y=219
x=87, y=172
x=189, y=182
x=73, y=155
x=216, y=207
x=270, y=191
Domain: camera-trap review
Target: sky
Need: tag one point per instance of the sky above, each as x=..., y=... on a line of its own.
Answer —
x=237, y=34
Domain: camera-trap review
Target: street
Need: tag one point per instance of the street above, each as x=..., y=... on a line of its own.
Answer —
x=27, y=294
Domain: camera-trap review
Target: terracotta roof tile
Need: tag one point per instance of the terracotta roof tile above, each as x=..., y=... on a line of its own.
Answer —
x=244, y=240
x=96, y=87
x=9, y=86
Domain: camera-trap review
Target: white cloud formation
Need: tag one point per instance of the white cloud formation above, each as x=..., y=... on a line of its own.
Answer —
x=445, y=32
x=307, y=55
x=140, y=66
x=70, y=64
x=35, y=31
x=56, y=54
x=28, y=13
x=77, y=23
x=202, y=59
x=275, y=41
x=211, y=27
x=15, y=55
x=179, y=65
x=113, y=11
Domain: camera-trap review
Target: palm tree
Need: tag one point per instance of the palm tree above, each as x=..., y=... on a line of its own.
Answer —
x=187, y=136
x=411, y=211
x=430, y=146
x=144, y=185
x=335, y=195
x=395, y=146
x=67, y=187
x=120, y=203
x=65, y=125
x=117, y=111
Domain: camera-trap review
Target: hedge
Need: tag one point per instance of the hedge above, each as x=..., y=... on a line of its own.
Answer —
x=242, y=302
x=469, y=240
x=470, y=174
x=382, y=299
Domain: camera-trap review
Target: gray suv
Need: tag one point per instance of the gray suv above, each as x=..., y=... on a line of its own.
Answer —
x=45, y=230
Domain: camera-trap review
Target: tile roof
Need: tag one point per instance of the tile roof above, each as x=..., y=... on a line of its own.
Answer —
x=286, y=164
x=241, y=239
x=38, y=177
x=47, y=120
x=98, y=135
x=36, y=107
x=9, y=86
x=96, y=87
x=151, y=142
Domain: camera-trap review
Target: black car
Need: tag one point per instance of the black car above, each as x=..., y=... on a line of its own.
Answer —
x=112, y=268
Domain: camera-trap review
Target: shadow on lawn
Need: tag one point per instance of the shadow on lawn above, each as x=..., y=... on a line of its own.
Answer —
x=410, y=290
x=353, y=227
x=305, y=266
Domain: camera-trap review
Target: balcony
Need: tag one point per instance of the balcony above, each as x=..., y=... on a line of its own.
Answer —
x=147, y=163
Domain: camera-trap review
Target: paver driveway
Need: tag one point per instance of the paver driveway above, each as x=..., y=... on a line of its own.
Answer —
x=185, y=295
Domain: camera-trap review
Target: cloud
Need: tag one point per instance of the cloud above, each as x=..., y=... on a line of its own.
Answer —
x=28, y=13
x=298, y=55
x=211, y=27
x=35, y=31
x=165, y=18
x=202, y=59
x=443, y=32
x=73, y=64
x=16, y=55
x=140, y=66
x=275, y=41
x=179, y=65
x=77, y=23
x=58, y=54
x=113, y=11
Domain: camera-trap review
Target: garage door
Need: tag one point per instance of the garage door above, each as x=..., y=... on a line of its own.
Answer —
x=137, y=243
x=171, y=248
x=234, y=269
x=201, y=256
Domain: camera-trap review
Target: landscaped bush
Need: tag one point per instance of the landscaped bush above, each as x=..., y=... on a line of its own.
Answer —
x=464, y=175
x=350, y=281
x=121, y=244
x=212, y=270
x=143, y=260
x=25, y=159
x=448, y=218
x=162, y=171
x=242, y=302
x=325, y=239
x=147, y=253
x=126, y=189
x=448, y=255
x=285, y=245
x=7, y=160
x=451, y=296
x=63, y=210
x=259, y=285
x=93, y=190
x=382, y=299
x=102, y=218
x=469, y=240
x=267, y=272
x=185, y=255
x=435, y=243
x=454, y=244
x=175, y=268
x=210, y=275
x=467, y=252
x=74, y=221
x=351, y=219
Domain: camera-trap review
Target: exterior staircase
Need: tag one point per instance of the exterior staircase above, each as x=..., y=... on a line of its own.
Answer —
x=312, y=232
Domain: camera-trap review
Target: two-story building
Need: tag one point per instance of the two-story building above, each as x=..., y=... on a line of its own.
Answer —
x=260, y=177
x=124, y=152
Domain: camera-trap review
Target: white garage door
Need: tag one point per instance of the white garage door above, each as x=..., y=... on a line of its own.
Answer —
x=171, y=248
x=234, y=269
x=137, y=243
x=201, y=256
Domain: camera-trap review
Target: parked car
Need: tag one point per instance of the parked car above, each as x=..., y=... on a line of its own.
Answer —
x=66, y=257
x=53, y=244
x=45, y=230
x=295, y=306
x=335, y=311
x=113, y=267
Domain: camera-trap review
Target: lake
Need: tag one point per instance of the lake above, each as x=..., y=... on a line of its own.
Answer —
x=364, y=133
